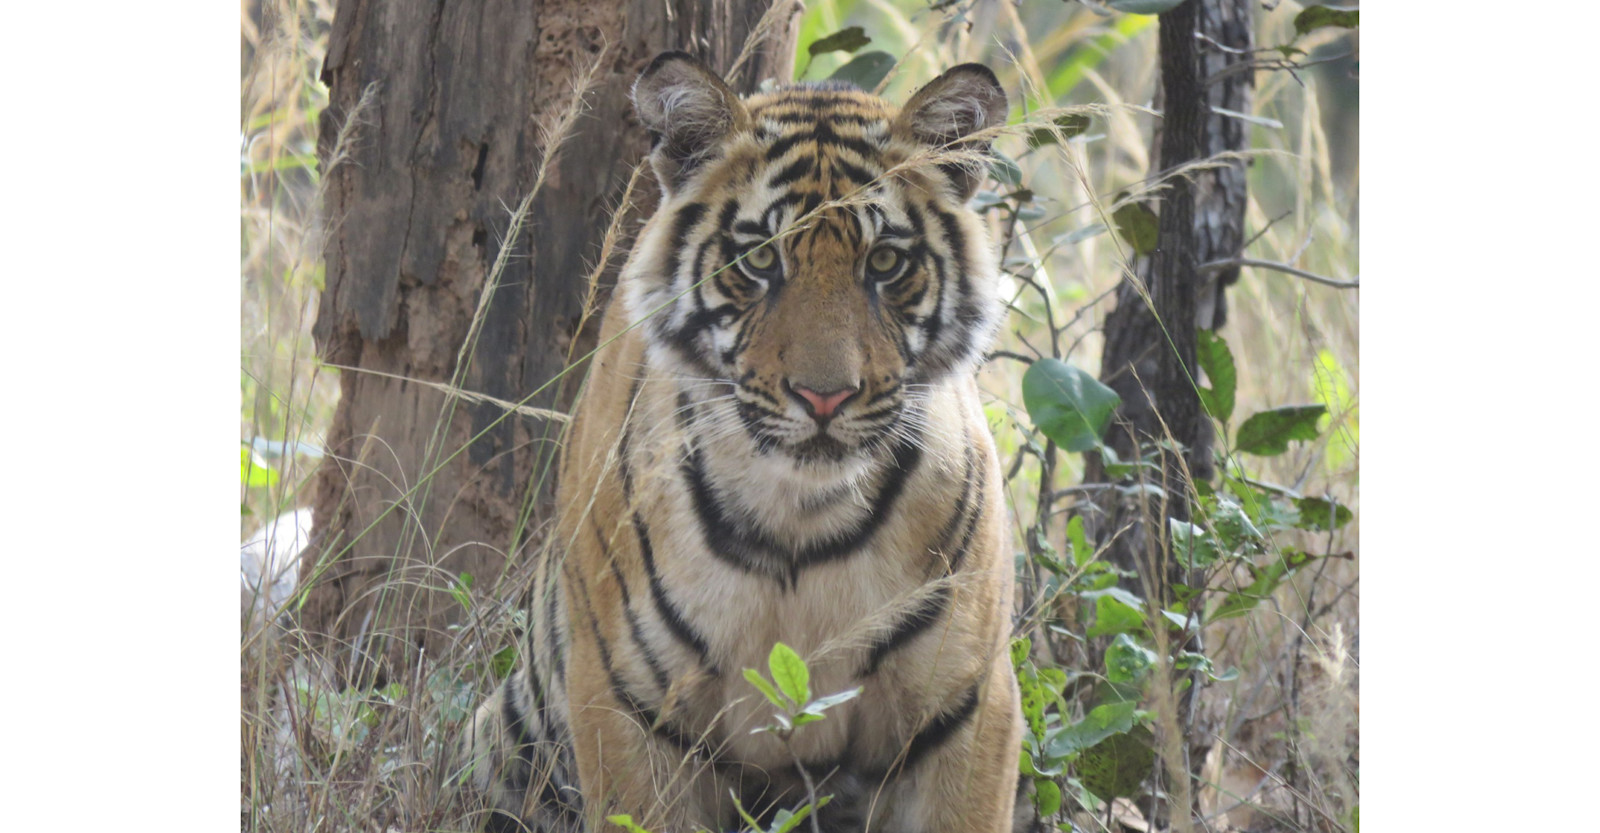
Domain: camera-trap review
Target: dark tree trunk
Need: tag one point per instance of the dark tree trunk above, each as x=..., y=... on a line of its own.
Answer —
x=447, y=148
x=1202, y=219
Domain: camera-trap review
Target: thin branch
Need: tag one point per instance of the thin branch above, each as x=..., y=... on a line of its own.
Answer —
x=1219, y=265
x=1007, y=354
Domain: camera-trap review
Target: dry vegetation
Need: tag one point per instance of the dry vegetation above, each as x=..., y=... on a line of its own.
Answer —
x=1280, y=751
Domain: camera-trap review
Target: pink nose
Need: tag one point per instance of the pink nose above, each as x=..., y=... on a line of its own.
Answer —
x=823, y=405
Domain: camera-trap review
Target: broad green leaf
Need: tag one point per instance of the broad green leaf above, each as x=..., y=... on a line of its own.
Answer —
x=1127, y=661
x=1100, y=723
x=1331, y=387
x=1143, y=6
x=866, y=70
x=766, y=689
x=1269, y=432
x=1066, y=127
x=1192, y=544
x=1317, y=17
x=1067, y=404
x=1138, y=225
x=844, y=40
x=1115, y=611
x=1046, y=797
x=1019, y=650
x=790, y=673
x=1264, y=581
x=1117, y=766
x=1216, y=360
x=1082, y=551
x=1321, y=515
x=1005, y=169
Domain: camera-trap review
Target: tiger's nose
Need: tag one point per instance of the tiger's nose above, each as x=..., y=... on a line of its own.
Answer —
x=822, y=406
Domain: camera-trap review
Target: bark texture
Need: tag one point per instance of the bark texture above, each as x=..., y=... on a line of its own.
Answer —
x=445, y=151
x=1201, y=219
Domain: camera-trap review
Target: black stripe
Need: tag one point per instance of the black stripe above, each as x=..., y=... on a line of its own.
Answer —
x=939, y=730
x=669, y=613
x=674, y=619
x=855, y=172
x=682, y=224
x=822, y=135
x=810, y=117
x=619, y=689
x=658, y=673
x=791, y=172
x=754, y=550
x=972, y=523
x=919, y=619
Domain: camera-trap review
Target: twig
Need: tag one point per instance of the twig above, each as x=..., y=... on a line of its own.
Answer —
x=1219, y=265
x=1007, y=354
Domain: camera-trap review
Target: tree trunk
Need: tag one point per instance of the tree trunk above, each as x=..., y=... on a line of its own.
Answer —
x=1202, y=220
x=448, y=147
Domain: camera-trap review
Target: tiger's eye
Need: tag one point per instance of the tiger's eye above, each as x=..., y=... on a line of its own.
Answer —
x=761, y=258
x=884, y=261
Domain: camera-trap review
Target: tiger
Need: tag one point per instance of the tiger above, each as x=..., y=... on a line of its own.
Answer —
x=780, y=440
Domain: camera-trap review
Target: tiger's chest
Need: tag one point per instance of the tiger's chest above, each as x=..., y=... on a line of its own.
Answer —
x=747, y=558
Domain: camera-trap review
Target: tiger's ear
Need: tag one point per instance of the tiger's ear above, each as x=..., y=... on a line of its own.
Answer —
x=688, y=111
x=962, y=101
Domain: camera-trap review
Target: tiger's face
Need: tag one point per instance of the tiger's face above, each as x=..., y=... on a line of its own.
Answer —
x=813, y=269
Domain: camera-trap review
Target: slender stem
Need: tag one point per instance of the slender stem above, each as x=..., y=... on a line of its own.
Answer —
x=1219, y=265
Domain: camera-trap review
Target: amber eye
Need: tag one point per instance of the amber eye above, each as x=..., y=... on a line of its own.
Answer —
x=761, y=258
x=884, y=262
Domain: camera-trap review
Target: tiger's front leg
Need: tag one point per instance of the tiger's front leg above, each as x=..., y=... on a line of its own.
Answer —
x=969, y=783
x=625, y=763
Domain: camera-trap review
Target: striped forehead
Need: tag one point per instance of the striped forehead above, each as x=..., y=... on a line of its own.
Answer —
x=822, y=142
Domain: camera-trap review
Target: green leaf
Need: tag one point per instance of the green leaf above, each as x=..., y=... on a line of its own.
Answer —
x=1005, y=169
x=1115, y=611
x=1082, y=551
x=764, y=687
x=822, y=704
x=783, y=822
x=1317, y=17
x=1100, y=723
x=1117, y=766
x=1066, y=127
x=866, y=70
x=1127, y=661
x=625, y=821
x=790, y=673
x=1067, y=404
x=1269, y=432
x=504, y=662
x=844, y=40
x=255, y=474
x=1192, y=544
x=1321, y=515
x=1046, y=797
x=1216, y=360
x=1138, y=225
x=1143, y=6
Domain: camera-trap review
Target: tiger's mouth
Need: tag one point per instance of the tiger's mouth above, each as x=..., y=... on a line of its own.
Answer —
x=846, y=437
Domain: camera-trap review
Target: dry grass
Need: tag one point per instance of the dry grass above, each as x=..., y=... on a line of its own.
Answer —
x=1283, y=746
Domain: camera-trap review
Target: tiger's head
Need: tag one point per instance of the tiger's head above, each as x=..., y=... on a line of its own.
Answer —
x=813, y=260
